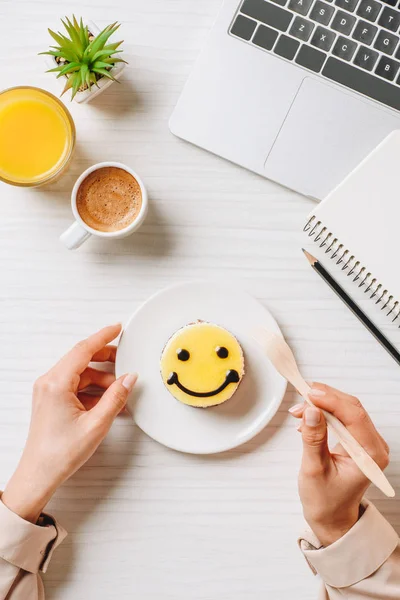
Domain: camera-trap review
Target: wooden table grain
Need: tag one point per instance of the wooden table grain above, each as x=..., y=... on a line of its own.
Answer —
x=144, y=521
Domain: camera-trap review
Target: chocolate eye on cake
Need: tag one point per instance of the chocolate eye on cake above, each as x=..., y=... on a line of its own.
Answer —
x=202, y=364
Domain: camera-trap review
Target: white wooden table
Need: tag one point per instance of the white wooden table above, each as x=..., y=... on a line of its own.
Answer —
x=146, y=522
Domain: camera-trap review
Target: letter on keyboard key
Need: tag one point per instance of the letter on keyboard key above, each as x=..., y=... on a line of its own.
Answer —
x=243, y=27
x=390, y=19
x=323, y=38
x=362, y=82
x=343, y=22
x=364, y=32
x=387, y=68
x=286, y=47
x=347, y=4
x=366, y=58
x=322, y=12
x=268, y=13
x=301, y=29
x=300, y=6
x=386, y=42
x=310, y=58
x=369, y=9
x=265, y=37
x=344, y=48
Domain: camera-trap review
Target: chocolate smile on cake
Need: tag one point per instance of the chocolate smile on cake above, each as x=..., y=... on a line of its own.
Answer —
x=202, y=364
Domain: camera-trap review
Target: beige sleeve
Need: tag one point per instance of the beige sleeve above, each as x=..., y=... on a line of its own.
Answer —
x=363, y=564
x=25, y=551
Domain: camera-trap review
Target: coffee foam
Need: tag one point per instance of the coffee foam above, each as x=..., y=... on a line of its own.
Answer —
x=109, y=199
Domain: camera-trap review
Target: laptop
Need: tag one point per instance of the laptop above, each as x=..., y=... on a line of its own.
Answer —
x=299, y=91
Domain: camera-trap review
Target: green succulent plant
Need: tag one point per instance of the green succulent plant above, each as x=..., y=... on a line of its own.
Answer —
x=82, y=58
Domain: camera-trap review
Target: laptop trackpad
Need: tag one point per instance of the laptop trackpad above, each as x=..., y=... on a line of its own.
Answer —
x=326, y=133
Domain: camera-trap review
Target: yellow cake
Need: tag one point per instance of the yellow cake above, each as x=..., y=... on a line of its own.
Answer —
x=202, y=364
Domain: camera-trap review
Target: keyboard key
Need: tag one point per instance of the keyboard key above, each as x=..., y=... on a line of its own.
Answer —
x=391, y=2
x=270, y=14
x=280, y=2
x=369, y=9
x=386, y=42
x=310, y=58
x=366, y=58
x=364, y=32
x=344, y=48
x=362, y=82
x=322, y=12
x=243, y=27
x=389, y=19
x=301, y=29
x=387, y=68
x=349, y=5
x=343, y=22
x=323, y=38
x=265, y=37
x=286, y=47
x=300, y=6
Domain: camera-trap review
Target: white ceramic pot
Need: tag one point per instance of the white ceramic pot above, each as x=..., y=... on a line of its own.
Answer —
x=103, y=83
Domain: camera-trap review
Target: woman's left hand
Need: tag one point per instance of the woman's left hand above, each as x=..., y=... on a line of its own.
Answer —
x=67, y=424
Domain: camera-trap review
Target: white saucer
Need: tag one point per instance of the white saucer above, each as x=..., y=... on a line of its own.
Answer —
x=155, y=410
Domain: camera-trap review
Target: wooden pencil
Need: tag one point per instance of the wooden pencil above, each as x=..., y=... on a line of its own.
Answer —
x=355, y=309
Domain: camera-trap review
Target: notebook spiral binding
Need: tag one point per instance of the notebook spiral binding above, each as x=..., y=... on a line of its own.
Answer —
x=323, y=237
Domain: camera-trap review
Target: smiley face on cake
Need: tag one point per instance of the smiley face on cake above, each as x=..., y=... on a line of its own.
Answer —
x=202, y=364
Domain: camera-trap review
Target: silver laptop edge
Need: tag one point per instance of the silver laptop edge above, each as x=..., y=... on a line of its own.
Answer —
x=275, y=117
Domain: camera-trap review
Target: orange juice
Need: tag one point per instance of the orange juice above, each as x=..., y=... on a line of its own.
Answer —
x=37, y=136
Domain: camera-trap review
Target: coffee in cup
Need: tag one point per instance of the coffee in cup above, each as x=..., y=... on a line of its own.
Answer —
x=109, y=201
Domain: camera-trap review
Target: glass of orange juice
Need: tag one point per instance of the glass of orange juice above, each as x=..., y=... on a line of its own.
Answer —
x=37, y=136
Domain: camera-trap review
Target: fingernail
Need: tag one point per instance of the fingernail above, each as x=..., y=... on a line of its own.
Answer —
x=296, y=408
x=129, y=381
x=316, y=393
x=312, y=416
x=298, y=428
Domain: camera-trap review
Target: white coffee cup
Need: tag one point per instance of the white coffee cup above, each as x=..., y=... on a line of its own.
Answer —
x=80, y=231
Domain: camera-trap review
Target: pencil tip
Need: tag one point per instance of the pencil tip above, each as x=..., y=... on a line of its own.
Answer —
x=311, y=259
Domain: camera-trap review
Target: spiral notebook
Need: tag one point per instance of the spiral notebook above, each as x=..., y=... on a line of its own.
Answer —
x=358, y=225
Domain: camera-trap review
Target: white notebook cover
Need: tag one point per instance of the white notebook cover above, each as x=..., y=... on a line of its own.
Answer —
x=363, y=212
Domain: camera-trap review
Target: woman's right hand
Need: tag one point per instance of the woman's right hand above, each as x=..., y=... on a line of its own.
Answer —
x=331, y=486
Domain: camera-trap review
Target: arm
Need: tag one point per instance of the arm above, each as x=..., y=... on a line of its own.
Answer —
x=362, y=564
x=350, y=544
x=67, y=426
x=25, y=550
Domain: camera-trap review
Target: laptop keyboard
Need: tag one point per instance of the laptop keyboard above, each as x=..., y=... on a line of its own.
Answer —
x=352, y=42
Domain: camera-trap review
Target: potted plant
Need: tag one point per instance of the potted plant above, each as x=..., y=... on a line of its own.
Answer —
x=84, y=60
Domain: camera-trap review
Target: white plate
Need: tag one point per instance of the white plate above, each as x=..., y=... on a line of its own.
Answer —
x=155, y=410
